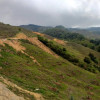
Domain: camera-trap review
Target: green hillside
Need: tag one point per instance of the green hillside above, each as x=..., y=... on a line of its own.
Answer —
x=74, y=37
x=41, y=65
x=91, y=32
x=7, y=31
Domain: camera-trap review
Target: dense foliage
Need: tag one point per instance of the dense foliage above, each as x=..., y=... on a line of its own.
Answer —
x=63, y=52
x=59, y=50
x=63, y=34
x=87, y=60
x=93, y=58
x=96, y=43
x=35, y=28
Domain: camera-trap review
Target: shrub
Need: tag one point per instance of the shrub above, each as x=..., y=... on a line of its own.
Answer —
x=93, y=58
x=87, y=60
x=98, y=49
x=26, y=41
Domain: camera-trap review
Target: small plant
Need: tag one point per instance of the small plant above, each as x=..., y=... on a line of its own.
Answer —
x=26, y=41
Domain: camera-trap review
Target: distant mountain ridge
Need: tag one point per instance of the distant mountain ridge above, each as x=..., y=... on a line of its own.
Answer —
x=36, y=28
x=91, y=32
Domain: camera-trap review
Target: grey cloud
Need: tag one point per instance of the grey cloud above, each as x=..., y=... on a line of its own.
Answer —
x=70, y=13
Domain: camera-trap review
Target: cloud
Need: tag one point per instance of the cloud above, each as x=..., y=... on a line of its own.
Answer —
x=70, y=13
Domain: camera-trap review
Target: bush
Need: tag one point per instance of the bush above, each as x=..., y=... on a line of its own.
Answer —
x=93, y=58
x=99, y=49
x=25, y=41
x=87, y=60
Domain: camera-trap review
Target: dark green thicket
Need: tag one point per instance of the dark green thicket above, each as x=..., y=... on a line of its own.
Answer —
x=93, y=58
x=64, y=34
x=96, y=43
x=92, y=63
x=59, y=50
x=63, y=52
x=87, y=60
x=98, y=49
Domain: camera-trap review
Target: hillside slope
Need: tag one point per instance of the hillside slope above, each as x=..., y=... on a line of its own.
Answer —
x=45, y=71
x=74, y=37
x=7, y=31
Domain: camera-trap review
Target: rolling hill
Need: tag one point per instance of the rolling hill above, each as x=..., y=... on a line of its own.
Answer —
x=91, y=32
x=74, y=37
x=36, y=66
x=36, y=28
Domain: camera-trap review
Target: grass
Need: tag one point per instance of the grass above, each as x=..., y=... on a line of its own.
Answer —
x=21, y=94
x=7, y=31
x=56, y=79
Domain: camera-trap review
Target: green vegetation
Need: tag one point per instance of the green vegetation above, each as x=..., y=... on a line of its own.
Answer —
x=69, y=34
x=97, y=44
x=63, y=34
x=21, y=94
x=91, y=33
x=63, y=52
x=7, y=31
x=25, y=41
x=59, y=50
x=93, y=58
x=54, y=79
x=35, y=28
x=57, y=78
x=87, y=60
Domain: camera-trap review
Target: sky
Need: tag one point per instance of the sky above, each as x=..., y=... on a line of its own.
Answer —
x=69, y=13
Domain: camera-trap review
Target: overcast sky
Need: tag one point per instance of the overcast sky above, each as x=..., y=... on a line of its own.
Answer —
x=70, y=13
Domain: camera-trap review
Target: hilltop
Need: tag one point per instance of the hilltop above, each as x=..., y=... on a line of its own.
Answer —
x=36, y=28
x=37, y=66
